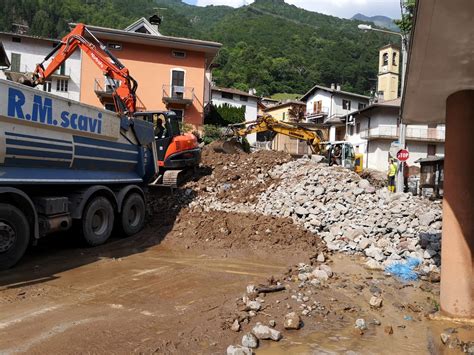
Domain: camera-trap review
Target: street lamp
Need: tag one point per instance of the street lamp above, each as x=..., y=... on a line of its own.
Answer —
x=402, y=138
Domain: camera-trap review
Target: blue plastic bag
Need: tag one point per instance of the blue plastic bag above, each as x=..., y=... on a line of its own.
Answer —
x=404, y=270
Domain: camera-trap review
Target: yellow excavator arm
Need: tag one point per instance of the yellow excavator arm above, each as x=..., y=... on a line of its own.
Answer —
x=268, y=123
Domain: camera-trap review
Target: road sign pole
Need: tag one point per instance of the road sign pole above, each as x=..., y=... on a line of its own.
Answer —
x=400, y=178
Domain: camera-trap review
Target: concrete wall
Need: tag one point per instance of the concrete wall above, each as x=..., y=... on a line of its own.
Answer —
x=152, y=66
x=33, y=51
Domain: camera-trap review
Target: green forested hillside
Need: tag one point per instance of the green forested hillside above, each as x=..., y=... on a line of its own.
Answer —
x=269, y=45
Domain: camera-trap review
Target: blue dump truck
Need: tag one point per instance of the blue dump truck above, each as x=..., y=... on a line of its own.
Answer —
x=67, y=165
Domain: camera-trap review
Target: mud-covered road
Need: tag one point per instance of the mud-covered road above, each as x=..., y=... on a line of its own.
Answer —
x=119, y=299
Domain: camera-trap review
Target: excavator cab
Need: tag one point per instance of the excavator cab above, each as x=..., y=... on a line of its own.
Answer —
x=177, y=152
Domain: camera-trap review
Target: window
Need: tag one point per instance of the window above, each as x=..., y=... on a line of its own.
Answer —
x=346, y=104
x=47, y=86
x=394, y=58
x=243, y=98
x=357, y=127
x=361, y=106
x=179, y=54
x=431, y=149
x=177, y=83
x=385, y=59
x=283, y=116
x=114, y=46
x=62, y=85
x=317, y=106
x=15, y=62
x=227, y=95
x=16, y=39
x=350, y=130
x=62, y=69
x=179, y=114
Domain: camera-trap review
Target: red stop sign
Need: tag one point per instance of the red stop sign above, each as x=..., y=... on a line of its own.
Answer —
x=403, y=155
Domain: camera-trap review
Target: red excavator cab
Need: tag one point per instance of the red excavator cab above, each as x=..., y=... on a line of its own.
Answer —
x=178, y=152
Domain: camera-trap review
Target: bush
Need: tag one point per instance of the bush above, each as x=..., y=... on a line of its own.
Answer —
x=224, y=115
x=211, y=133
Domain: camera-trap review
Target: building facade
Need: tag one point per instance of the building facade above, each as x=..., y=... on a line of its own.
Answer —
x=328, y=106
x=373, y=129
x=170, y=71
x=25, y=52
x=237, y=98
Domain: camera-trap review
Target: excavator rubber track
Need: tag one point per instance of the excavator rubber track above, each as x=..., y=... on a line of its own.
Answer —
x=171, y=178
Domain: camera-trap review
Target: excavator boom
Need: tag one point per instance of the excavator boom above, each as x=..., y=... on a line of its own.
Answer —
x=124, y=94
x=268, y=123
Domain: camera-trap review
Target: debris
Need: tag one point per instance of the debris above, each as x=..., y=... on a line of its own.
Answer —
x=404, y=271
x=292, y=321
x=235, y=326
x=238, y=350
x=249, y=341
x=272, y=323
x=360, y=324
x=269, y=289
x=376, y=302
x=253, y=305
x=263, y=332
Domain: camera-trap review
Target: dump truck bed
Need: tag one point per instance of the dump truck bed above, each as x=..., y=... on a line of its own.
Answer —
x=47, y=139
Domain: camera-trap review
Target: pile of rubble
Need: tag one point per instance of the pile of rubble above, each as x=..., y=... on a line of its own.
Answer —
x=347, y=212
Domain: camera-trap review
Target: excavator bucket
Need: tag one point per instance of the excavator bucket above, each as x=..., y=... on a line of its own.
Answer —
x=232, y=146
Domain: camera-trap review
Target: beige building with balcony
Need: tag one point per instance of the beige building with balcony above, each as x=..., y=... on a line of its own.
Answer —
x=373, y=129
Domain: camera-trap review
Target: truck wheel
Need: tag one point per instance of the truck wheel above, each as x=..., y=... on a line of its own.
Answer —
x=132, y=217
x=97, y=221
x=14, y=235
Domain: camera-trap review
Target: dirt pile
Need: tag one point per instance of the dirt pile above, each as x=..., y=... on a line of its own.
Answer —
x=239, y=177
x=242, y=231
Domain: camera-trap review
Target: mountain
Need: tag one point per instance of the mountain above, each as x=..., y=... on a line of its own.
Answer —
x=380, y=21
x=269, y=45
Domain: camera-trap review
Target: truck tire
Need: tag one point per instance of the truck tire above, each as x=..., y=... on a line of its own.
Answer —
x=97, y=221
x=132, y=218
x=14, y=235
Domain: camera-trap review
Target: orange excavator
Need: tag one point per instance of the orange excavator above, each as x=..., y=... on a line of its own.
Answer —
x=177, y=152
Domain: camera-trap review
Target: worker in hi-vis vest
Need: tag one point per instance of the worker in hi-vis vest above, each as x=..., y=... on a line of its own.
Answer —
x=392, y=171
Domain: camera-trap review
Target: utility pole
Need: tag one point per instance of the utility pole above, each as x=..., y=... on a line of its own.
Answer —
x=402, y=132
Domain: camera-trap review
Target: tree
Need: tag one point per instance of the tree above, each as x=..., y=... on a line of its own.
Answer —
x=296, y=113
x=408, y=11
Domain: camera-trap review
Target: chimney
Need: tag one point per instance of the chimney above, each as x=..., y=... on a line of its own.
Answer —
x=333, y=87
x=155, y=21
x=338, y=87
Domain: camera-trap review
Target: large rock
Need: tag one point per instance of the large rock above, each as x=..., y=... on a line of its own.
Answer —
x=427, y=218
x=238, y=350
x=301, y=211
x=263, y=332
x=320, y=275
x=250, y=341
x=292, y=321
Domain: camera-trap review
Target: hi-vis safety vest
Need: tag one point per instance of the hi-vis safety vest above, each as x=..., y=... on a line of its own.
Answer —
x=393, y=169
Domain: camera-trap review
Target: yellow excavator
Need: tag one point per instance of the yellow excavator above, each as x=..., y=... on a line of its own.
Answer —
x=337, y=153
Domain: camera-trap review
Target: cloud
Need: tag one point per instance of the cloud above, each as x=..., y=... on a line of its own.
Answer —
x=340, y=8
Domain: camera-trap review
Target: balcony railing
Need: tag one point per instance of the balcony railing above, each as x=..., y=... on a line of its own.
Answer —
x=173, y=94
x=412, y=133
x=324, y=111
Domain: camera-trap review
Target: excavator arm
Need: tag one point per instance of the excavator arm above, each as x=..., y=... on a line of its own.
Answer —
x=268, y=123
x=124, y=94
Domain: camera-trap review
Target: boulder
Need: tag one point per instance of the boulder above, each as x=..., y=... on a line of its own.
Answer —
x=250, y=341
x=263, y=332
x=292, y=321
x=238, y=350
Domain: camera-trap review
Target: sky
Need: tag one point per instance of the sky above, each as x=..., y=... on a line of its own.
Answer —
x=339, y=8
